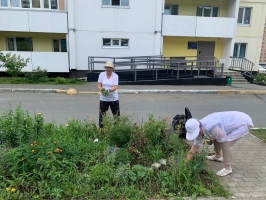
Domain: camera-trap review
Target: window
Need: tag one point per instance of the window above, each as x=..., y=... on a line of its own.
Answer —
x=15, y=3
x=59, y=45
x=46, y=4
x=240, y=50
x=244, y=16
x=115, y=2
x=108, y=42
x=4, y=3
x=19, y=44
x=25, y=3
x=207, y=11
x=171, y=9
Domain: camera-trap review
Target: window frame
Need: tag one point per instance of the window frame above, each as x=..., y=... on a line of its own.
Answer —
x=243, y=16
x=115, y=46
x=170, y=9
x=60, y=45
x=30, y=5
x=239, y=48
x=15, y=44
x=115, y=6
x=203, y=6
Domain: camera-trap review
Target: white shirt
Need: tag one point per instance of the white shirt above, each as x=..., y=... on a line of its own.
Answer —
x=224, y=126
x=107, y=84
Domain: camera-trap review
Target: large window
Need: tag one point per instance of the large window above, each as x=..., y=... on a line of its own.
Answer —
x=207, y=11
x=115, y=2
x=108, y=42
x=244, y=16
x=45, y=4
x=171, y=9
x=240, y=50
x=4, y=3
x=19, y=44
x=59, y=45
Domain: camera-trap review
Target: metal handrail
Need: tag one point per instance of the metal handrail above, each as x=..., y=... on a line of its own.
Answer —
x=158, y=63
x=242, y=64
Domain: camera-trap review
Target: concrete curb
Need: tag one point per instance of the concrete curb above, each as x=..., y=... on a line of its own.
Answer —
x=125, y=91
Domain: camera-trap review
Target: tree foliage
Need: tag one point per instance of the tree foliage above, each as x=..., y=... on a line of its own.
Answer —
x=13, y=63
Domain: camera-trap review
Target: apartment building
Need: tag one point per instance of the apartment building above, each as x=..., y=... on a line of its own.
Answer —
x=35, y=29
x=59, y=35
x=263, y=47
x=250, y=29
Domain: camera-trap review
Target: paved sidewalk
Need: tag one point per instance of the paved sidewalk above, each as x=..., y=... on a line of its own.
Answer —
x=248, y=180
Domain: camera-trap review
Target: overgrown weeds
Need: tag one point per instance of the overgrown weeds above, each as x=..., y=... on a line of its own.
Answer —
x=77, y=160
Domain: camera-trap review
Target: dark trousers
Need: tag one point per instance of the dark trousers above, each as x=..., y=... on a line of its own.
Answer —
x=104, y=105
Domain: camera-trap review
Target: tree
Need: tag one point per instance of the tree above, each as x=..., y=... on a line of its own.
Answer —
x=13, y=63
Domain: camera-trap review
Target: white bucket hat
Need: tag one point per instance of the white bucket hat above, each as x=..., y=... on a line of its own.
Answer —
x=192, y=127
x=109, y=64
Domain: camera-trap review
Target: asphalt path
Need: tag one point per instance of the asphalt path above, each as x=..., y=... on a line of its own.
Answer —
x=61, y=107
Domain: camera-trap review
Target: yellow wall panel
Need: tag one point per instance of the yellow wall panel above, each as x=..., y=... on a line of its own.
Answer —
x=177, y=46
x=42, y=42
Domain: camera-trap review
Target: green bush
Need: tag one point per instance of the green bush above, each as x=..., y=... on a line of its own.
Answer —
x=13, y=63
x=37, y=75
x=61, y=80
x=260, y=78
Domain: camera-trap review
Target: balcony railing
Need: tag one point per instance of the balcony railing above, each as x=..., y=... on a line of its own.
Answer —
x=51, y=61
x=34, y=4
x=192, y=26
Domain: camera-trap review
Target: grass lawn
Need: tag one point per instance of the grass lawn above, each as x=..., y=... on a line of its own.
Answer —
x=260, y=133
x=46, y=80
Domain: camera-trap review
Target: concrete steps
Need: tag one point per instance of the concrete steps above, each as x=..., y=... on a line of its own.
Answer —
x=237, y=77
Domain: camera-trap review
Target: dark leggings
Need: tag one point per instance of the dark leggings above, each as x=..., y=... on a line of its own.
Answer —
x=104, y=105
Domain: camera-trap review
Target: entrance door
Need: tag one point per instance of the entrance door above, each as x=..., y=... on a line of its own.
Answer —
x=206, y=51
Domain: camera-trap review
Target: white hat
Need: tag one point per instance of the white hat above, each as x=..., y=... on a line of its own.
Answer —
x=192, y=127
x=109, y=64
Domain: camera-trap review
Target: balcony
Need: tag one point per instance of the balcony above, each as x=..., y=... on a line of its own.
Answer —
x=51, y=61
x=192, y=26
x=43, y=21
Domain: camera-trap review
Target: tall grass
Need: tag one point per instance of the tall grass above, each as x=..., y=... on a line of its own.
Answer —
x=77, y=160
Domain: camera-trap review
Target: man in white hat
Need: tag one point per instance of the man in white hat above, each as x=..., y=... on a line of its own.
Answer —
x=108, y=80
x=224, y=129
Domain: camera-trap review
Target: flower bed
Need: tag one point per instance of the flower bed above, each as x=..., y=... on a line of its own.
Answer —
x=78, y=160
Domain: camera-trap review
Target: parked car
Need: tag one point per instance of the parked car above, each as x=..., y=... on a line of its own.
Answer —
x=261, y=69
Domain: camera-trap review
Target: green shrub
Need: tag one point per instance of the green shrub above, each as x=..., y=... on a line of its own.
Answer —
x=37, y=75
x=13, y=63
x=61, y=80
x=260, y=78
x=120, y=130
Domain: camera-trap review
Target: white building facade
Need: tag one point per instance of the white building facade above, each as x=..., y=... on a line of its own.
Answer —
x=60, y=35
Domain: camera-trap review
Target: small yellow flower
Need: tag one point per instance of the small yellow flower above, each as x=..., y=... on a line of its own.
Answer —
x=33, y=151
x=39, y=113
x=50, y=152
x=39, y=159
x=54, y=142
x=7, y=189
x=31, y=144
x=66, y=125
x=13, y=190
